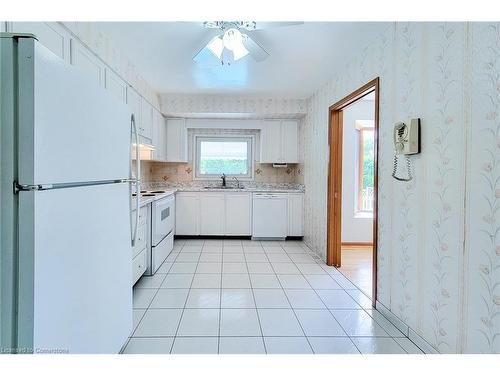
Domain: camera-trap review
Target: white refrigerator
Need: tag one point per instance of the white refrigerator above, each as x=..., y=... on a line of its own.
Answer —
x=66, y=205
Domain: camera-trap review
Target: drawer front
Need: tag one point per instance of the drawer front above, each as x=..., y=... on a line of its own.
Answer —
x=140, y=243
x=160, y=253
x=143, y=211
x=138, y=266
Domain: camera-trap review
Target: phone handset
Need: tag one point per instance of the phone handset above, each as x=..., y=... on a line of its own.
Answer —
x=406, y=142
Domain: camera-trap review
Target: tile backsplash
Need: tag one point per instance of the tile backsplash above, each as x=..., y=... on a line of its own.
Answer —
x=154, y=171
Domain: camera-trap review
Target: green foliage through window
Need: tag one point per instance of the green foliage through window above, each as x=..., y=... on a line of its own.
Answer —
x=219, y=166
x=368, y=161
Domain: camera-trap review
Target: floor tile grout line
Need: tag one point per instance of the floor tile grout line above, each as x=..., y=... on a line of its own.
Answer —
x=172, y=345
x=301, y=272
x=220, y=299
x=296, y=317
x=255, y=303
x=323, y=302
x=150, y=302
x=362, y=308
x=184, y=308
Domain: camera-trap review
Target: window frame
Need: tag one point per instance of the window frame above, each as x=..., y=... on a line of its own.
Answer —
x=360, y=129
x=250, y=139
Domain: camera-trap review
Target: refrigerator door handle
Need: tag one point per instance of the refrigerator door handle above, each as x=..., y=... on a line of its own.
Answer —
x=137, y=181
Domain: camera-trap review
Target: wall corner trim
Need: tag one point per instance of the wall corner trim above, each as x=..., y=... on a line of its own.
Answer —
x=413, y=336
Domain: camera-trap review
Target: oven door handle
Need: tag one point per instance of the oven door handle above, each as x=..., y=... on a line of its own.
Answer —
x=137, y=181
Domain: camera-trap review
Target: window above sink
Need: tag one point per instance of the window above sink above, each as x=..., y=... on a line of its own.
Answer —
x=229, y=155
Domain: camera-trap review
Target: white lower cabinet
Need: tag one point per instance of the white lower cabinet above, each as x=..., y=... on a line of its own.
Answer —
x=212, y=214
x=296, y=214
x=187, y=214
x=228, y=214
x=139, y=266
x=238, y=215
x=139, y=251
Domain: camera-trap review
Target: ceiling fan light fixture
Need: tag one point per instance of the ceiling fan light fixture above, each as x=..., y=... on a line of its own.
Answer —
x=239, y=52
x=232, y=39
x=216, y=46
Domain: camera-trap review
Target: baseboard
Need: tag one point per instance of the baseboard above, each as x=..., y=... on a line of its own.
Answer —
x=268, y=238
x=357, y=244
x=421, y=343
x=206, y=237
x=402, y=326
x=406, y=330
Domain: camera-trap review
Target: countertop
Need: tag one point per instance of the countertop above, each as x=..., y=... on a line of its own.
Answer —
x=144, y=200
x=242, y=190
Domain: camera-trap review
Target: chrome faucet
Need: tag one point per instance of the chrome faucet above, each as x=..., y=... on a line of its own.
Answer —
x=223, y=180
x=238, y=182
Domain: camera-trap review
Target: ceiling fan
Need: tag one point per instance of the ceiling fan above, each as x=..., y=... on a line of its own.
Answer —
x=231, y=44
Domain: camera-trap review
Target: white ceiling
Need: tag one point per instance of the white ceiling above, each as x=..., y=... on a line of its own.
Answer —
x=302, y=57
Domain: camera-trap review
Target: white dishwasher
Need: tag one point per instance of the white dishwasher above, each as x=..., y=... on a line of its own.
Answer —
x=270, y=216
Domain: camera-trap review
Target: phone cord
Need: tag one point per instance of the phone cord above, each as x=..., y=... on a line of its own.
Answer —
x=408, y=166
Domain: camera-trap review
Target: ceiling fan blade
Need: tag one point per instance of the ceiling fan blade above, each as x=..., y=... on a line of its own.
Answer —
x=257, y=52
x=205, y=57
x=267, y=25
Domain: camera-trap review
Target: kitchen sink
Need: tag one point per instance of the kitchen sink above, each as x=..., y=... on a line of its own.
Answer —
x=223, y=188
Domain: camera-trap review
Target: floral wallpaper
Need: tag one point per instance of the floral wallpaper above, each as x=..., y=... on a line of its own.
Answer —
x=439, y=235
x=483, y=227
x=241, y=106
x=445, y=173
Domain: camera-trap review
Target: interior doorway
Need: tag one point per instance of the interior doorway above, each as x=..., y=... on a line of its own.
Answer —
x=352, y=187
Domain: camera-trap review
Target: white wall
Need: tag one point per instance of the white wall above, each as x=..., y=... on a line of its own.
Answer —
x=439, y=235
x=354, y=228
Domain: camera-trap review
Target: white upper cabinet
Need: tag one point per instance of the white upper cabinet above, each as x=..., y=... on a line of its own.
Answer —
x=270, y=142
x=279, y=141
x=50, y=34
x=290, y=141
x=159, y=136
x=177, y=148
x=134, y=103
x=146, y=118
x=87, y=62
x=238, y=217
x=115, y=85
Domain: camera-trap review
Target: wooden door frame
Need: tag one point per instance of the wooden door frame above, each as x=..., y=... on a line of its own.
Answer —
x=334, y=203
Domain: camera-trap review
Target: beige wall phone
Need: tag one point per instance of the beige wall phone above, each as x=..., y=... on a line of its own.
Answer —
x=406, y=142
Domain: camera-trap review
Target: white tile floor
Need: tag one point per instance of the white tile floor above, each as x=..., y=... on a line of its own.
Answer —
x=239, y=296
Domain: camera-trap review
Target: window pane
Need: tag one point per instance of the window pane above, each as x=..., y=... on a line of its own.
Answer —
x=229, y=157
x=368, y=167
x=367, y=177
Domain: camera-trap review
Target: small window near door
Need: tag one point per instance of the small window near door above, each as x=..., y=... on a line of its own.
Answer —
x=365, y=179
x=229, y=155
